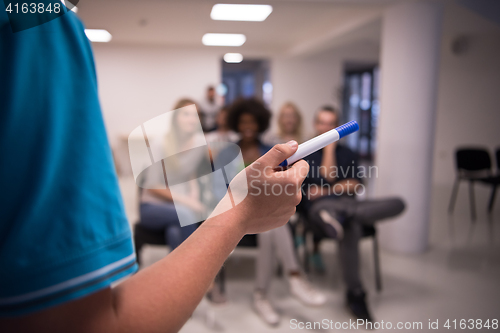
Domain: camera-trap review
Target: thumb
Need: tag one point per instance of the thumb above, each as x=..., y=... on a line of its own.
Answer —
x=279, y=153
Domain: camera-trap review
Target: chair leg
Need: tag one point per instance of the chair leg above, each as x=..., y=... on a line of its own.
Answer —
x=472, y=201
x=453, y=198
x=138, y=256
x=492, y=198
x=378, y=278
x=138, y=247
x=307, y=262
x=220, y=279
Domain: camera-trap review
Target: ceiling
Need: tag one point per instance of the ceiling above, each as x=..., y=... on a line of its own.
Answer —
x=294, y=27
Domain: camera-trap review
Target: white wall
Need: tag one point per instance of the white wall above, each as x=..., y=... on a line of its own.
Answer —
x=307, y=83
x=468, y=108
x=137, y=83
x=315, y=81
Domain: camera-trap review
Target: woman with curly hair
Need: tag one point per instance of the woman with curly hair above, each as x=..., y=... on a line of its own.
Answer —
x=250, y=118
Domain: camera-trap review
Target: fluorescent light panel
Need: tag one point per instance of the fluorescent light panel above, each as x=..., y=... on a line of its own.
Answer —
x=231, y=12
x=233, y=58
x=213, y=39
x=98, y=35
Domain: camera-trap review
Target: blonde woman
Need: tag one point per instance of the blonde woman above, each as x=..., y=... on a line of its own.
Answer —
x=289, y=125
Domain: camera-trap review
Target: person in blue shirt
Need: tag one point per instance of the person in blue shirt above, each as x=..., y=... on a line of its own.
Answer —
x=64, y=236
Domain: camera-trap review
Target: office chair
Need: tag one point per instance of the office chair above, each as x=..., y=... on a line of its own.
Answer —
x=472, y=165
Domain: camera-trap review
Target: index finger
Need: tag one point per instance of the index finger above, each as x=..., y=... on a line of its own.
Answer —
x=299, y=169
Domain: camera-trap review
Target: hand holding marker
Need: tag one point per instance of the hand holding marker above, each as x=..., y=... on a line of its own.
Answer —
x=321, y=141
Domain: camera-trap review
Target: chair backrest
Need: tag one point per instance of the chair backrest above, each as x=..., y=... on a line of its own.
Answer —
x=498, y=158
x=473, y=159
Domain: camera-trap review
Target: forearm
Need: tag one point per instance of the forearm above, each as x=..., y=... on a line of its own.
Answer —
x=348, y=185
x=166, y=195
x=160, y=298
x=345, y=186
x=163, y=296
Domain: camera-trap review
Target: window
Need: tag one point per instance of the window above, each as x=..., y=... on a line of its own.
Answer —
x=361, y=103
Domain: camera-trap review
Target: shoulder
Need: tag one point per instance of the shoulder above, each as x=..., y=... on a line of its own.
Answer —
x=270, y=138
x=212, y=136
x=264, y=148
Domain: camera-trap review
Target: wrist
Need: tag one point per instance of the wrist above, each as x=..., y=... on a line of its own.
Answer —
x=230, y=222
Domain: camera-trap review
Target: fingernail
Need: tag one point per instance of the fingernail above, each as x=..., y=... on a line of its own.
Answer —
x=292, y=143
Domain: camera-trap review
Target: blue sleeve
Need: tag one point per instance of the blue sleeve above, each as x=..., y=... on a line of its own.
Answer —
x=63, y=230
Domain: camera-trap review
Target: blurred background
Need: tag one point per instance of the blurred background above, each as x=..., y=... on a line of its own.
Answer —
x=421, y=77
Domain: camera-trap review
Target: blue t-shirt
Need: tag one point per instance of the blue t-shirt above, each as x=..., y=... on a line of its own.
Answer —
x=63, y=230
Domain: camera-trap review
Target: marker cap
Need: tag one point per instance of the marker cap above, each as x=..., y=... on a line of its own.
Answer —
x=347, y=129
x=321, y=141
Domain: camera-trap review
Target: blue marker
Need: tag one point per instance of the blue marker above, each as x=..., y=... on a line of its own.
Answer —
x=321, y=141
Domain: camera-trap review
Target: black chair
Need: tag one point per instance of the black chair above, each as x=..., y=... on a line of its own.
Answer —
x=368, y=231
x=143, y=236
x=248, y=241
x=494, y=181
x=473, y=165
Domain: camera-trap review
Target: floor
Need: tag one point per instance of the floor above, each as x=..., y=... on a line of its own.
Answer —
x=457, y=278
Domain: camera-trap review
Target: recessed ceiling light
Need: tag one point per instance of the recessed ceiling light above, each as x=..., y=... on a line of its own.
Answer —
x=98, y=35
x=233, y=58
x=230, y=12
x=223, y=39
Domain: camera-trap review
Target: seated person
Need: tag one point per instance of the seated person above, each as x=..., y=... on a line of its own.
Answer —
x=209, y=108
x=223, y=133
x=157, y=207
x=289, y=126
x=333, y=180
x=157, y=210
x=249, y=118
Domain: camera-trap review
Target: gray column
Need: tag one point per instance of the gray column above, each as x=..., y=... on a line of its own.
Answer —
x=411, y=39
